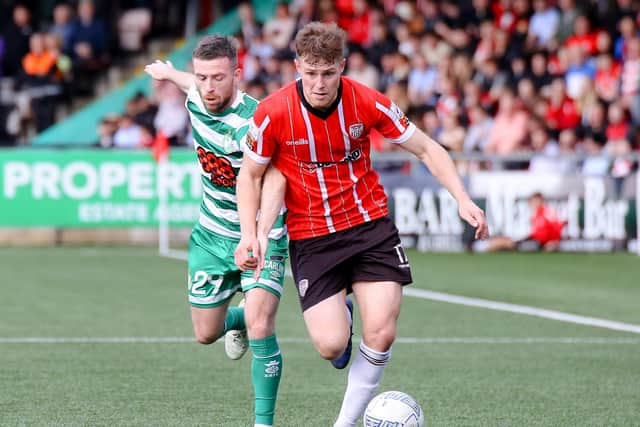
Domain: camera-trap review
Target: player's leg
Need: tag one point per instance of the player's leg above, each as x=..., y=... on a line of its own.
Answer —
x=328, y=324
x=261, y=303
x=322, y=279
x=266, y=365
x=378, y=274
x=208, y=323
x=236, y=342
x=379, y=307
x=212, y=284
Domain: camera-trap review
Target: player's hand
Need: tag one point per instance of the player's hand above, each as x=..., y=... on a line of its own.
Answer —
x=159, y=70
x=245, y=253
x=263, y=245
x=471, y=213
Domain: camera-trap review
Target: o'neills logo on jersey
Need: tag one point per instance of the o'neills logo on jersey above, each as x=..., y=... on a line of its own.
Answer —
x=311, y=167
x=355, y=130
x=300, y=141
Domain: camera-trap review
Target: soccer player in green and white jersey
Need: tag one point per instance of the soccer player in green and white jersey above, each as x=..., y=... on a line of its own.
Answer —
x=220, y=115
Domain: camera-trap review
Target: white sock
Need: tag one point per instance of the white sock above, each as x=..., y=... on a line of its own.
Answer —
x=364, y=376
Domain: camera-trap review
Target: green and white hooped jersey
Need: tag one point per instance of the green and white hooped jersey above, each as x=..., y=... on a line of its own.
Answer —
x=219, y=140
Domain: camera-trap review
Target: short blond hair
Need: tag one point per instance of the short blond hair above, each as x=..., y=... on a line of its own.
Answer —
x=320, y=42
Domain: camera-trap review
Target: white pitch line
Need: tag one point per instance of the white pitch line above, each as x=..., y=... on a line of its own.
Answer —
x=495, y=305
x=293, y=340
x=523, y=309
x=175, y=254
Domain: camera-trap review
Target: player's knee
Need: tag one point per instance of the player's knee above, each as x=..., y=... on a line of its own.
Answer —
x=330, y=350
x=260, y=328
x=381, y=339
x=205, y=339
x=206, y=336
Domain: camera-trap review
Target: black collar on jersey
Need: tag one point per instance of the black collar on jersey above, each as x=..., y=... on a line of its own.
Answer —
x=323, y=114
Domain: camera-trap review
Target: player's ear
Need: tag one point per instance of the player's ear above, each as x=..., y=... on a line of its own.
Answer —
x=296, y=62
x=343, y=63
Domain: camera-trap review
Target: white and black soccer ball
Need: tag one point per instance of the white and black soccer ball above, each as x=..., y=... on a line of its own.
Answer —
x=393, y=409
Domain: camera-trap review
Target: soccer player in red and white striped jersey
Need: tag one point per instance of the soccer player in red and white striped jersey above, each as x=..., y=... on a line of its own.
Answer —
x=316, y=132
x=325, y=154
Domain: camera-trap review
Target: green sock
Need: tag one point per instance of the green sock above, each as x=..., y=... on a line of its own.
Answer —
x=266, y=370
x=234, y=319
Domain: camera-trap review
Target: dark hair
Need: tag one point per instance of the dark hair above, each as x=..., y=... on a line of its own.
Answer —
x=319, y=42
x=216, y=46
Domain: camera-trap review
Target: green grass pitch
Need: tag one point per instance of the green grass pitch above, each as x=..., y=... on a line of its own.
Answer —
x=466, y=366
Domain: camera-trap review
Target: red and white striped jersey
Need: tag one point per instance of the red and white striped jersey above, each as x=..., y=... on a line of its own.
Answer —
x=325, y=155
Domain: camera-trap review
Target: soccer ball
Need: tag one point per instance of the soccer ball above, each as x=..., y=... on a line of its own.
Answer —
x=393, y=409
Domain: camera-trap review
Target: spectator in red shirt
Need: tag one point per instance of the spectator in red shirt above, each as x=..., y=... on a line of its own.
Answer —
x=545, y=234
x=359, y=24
x=546, y=227
x=618, y=127
x=583, y=36
x=607, y=80
x=561, y=111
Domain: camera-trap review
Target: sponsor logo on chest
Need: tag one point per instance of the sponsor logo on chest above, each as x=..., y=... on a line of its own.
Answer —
x=312, y=167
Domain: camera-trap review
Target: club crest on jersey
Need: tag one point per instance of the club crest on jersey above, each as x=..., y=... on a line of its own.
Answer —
x=229, y=144
x=355, y=130
x=303, y=285
x=251, y=142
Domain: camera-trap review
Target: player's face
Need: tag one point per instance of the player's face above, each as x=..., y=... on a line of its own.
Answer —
x=320, y=81
x=217, y=81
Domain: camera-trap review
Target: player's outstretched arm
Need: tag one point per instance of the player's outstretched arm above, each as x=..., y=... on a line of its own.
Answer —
x=442, y=167
x=248, y=189
x=160, y=70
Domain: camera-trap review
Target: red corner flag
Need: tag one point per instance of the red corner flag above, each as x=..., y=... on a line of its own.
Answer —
x=160, y=147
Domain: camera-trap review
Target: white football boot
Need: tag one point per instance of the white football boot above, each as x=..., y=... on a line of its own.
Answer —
x=236, y=342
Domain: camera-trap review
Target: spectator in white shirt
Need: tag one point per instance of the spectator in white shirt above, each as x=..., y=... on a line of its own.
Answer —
x=362, y=71
x=543, y=24
x=278, y=31
x=480, y=124
x=597, y=163
x=172, y=118
x=128, y=135
x=422, y=81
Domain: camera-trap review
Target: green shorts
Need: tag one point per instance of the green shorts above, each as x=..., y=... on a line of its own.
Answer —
x=214, y=277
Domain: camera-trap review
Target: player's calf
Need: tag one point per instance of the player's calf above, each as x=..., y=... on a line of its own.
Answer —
x=236, y=342
x=343, y=360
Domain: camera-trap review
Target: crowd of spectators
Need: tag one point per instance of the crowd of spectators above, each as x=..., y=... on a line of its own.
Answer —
x=146, y=117
x=496, y=77
x=541, y=78
x=52, y=53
